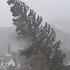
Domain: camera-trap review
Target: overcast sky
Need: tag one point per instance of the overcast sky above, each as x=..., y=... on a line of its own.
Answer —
x=55, y=12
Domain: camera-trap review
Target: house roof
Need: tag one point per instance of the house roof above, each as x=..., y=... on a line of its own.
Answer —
x=11, y=62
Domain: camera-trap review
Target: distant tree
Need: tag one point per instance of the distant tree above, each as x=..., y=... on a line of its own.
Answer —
x=43, y=37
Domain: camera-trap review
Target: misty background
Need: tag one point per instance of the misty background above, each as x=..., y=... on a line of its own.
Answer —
x=55, y=12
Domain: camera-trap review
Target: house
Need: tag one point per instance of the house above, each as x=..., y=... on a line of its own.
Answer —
x=9, y=61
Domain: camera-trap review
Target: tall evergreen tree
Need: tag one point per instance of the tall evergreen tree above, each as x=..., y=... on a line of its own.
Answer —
x=43, y=37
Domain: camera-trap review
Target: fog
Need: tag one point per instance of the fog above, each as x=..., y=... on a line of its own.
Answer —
x=55, y=12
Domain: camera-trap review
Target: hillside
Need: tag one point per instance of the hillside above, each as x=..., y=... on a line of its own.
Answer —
x=8, y=36
x=65, y=42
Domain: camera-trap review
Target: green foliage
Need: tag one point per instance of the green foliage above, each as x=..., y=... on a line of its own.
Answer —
x=44, y=38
